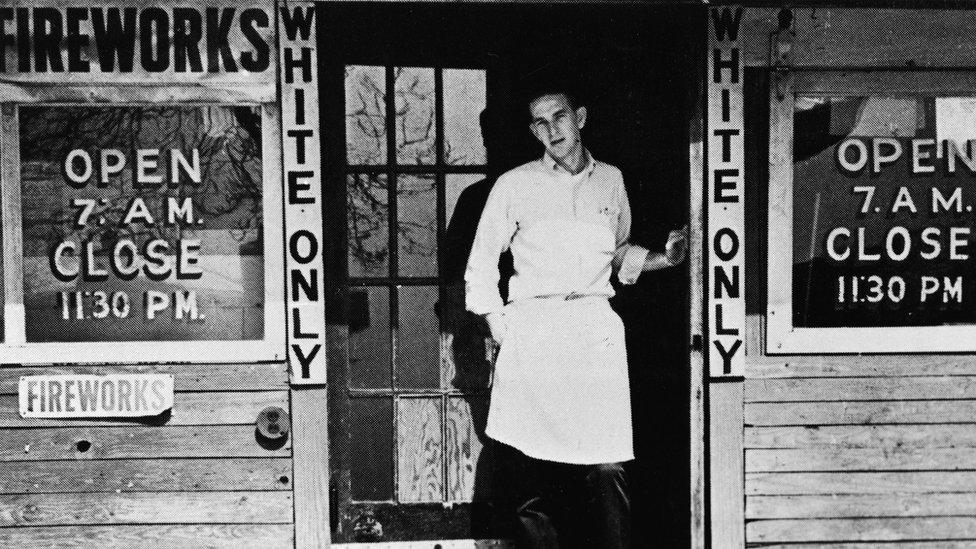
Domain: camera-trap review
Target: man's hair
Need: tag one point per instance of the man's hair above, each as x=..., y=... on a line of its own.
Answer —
x=552, y=88
x=570, y=96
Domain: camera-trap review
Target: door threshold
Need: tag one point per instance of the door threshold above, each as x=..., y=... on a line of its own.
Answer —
x=430, y=544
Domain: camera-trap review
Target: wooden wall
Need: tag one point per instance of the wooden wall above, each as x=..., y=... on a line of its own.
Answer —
x=866, y=449
x=195, y=478
x=852, y=451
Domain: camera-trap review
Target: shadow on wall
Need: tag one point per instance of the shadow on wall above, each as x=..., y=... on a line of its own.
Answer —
x=471, y=347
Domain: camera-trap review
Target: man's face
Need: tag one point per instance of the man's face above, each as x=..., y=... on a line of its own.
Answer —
x=557, y=125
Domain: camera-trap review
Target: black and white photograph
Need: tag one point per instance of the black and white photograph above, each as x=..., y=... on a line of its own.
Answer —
x=535, y=274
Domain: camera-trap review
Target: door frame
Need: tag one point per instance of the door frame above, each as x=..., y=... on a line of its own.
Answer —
x=315, y=510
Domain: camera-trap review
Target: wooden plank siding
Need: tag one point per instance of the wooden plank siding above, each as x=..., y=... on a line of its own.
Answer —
x=194, y=477
x=875, y=545
x=835, y=457
x=169, y=536
x=187, y=377
x=867, y=37
x=761, y=367
x=145, y=475
x=859, y=482
x=145, y=508
x=208, y=408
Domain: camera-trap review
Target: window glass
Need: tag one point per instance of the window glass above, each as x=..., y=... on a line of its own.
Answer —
x=371, y=448
x=464, y=100
x=418, y=338
x=417, y=225
x=370, y=340
x=882, y=211
x=456, y=184
x=416, y=133
x=369, y=230
x=365, y=115
x=142, y=223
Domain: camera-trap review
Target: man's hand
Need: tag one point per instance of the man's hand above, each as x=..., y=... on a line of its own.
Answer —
x=496, y=323
x=677, y=247
x=675, y=251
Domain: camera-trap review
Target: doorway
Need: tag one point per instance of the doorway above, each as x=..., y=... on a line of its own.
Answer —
x=420, y=113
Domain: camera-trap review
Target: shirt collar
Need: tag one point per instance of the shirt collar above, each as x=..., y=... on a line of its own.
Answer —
x=550, y=164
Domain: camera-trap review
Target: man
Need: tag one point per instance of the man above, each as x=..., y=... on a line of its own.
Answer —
x=560, y=393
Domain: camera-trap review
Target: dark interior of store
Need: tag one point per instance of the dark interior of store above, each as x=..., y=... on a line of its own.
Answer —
x=637, y=70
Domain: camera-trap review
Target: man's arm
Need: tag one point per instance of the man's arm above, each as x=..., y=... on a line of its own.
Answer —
x=630, y=260
x=493, y=236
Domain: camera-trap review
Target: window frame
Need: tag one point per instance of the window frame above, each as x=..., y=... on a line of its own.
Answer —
x=16, y=350
x=781, y=336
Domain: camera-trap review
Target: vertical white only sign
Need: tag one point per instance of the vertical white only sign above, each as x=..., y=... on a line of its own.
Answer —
x=725, y=196
x=305, y=278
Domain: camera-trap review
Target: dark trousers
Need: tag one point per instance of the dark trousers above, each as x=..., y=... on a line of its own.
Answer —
x=567, y=506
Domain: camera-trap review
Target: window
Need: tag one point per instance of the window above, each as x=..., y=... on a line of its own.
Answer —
x=140, y=223
x=413, y=145
x=871, y=246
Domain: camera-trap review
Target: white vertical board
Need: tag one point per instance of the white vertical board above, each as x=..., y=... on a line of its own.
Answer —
x=725, y=191
x=304, y=270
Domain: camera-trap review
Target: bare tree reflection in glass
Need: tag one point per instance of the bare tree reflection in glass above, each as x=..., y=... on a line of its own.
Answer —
x=365, y=115
x=416, y=140
x=368, y=220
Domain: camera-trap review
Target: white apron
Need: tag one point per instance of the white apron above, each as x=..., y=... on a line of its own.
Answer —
x=561, y=390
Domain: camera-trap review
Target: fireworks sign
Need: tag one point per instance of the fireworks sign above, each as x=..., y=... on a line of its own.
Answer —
x=86, y=396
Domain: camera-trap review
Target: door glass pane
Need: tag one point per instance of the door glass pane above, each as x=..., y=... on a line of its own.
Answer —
x=416, y=141
x=464, y=99
x=418, y=338
x=419, y=450
x=369, y=338
x=371, y=448
x=463, y=210
x=417, y=225
x=369, y=234
x=455, y=184
x=365, y=115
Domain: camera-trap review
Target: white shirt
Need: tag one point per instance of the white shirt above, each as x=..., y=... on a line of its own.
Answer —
x=560, y=390
x=566, y=233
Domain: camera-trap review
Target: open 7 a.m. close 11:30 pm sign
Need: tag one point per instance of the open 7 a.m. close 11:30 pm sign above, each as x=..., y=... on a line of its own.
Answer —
x=883, y=252
x=141, y=223
x=896, y=249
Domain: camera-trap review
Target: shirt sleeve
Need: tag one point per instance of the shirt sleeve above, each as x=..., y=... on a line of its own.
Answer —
x=494, y=235
x=628, y=259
